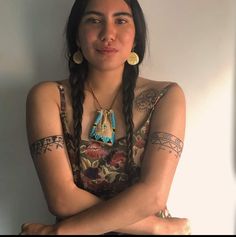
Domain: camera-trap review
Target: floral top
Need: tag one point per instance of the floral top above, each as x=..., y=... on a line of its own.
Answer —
x=102, y=168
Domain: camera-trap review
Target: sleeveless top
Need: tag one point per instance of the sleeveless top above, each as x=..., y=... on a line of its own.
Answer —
x=102, y=167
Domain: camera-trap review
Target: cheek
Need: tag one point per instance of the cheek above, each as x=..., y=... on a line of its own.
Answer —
x=86, y=37
x=127, y=38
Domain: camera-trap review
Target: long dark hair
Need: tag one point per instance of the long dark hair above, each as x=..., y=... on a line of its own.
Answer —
x=78, y=73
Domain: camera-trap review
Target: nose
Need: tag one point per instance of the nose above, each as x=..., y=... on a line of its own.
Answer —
x=108, y=32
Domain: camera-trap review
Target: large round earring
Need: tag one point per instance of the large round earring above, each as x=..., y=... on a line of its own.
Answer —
x=133, y=59
x=78, y=57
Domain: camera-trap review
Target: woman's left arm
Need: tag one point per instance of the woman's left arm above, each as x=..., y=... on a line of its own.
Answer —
x=150, y=194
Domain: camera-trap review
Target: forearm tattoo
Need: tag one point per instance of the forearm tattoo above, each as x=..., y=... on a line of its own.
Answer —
x=146, y=100
x=46, y=144
x=166, y=141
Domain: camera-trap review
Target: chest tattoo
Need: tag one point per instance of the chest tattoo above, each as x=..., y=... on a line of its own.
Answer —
x=146, y=100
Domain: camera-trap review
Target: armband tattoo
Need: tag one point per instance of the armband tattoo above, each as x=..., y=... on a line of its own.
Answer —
x=146, y=100
x=167, y=141
x=46, y=144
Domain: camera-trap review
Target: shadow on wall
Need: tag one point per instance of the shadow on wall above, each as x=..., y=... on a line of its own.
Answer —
x=45, y=33
x=22, y=199
x=21, y=196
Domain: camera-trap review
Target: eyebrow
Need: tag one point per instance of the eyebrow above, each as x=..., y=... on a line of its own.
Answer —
x=115, y=14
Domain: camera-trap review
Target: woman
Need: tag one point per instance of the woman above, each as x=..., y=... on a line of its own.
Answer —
x=106, y=142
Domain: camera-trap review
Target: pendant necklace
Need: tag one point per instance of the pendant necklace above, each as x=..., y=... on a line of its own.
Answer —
x=104, y=126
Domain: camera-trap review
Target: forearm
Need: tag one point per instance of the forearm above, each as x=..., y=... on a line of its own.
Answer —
x=121, y=211
x=147, y=226
x=88, y=200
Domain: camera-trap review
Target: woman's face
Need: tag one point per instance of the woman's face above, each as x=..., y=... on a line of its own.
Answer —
x=106, y=33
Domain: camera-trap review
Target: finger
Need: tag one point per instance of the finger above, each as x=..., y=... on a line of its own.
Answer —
x=23, y=226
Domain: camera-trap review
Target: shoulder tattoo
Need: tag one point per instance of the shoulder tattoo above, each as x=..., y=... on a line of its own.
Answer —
x=166, y=141
x=146, y=100
x=46, y=144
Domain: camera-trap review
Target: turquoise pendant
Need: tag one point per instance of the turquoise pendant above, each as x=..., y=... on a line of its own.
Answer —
x=103, y=129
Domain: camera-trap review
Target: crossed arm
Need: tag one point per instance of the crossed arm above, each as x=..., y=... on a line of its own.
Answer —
x=84, y=213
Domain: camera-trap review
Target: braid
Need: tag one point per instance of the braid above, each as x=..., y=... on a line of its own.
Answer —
x=77, y=72
x=77, y=81
x=77, y=78
x=129, y=81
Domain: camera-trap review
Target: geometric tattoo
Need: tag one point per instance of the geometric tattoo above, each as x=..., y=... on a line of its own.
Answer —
x=45, y=144
x=147, y=99
x=169, y=141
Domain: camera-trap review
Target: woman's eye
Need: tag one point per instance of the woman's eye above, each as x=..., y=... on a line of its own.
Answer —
x=93, y=20
x=121, y=21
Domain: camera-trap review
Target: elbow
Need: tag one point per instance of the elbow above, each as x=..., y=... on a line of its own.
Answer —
x=59, y=209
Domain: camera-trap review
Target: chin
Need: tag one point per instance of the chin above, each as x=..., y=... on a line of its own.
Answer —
x=108, y=66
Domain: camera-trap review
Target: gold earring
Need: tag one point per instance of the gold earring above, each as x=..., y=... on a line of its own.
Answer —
x=133, y=59
x=78, y=57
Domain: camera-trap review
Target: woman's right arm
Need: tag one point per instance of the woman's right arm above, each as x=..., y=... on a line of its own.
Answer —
x=50, y=157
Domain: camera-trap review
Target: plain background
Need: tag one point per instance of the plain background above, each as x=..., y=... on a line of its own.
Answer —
x=191, y=42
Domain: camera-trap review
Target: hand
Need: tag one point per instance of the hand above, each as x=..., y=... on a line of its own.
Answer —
x=173, y=226
x=37, y=229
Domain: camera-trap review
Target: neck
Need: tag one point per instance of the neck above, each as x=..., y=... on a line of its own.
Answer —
x=105, y=80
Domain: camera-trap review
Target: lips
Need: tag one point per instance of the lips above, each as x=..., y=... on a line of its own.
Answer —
x=107, y=50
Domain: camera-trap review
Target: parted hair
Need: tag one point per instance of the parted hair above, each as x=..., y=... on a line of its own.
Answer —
x=78, y=72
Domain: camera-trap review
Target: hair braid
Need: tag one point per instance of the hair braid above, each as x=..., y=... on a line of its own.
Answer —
x=129, y=81
x=77, y=82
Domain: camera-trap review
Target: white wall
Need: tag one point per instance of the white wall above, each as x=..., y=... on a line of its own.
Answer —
x=192, y=42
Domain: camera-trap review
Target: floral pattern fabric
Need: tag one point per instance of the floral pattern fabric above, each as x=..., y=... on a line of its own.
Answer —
x=103, y=167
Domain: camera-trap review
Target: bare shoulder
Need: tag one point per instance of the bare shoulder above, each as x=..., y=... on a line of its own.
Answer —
x=42, y=96
x=168, y=99
x=44, y=87
x=147, y=84
x=43, y=91
x=148, y=91
x=43, y=110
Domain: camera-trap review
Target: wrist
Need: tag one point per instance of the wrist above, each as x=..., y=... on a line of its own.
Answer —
x=49, y=230
x=57, y=229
